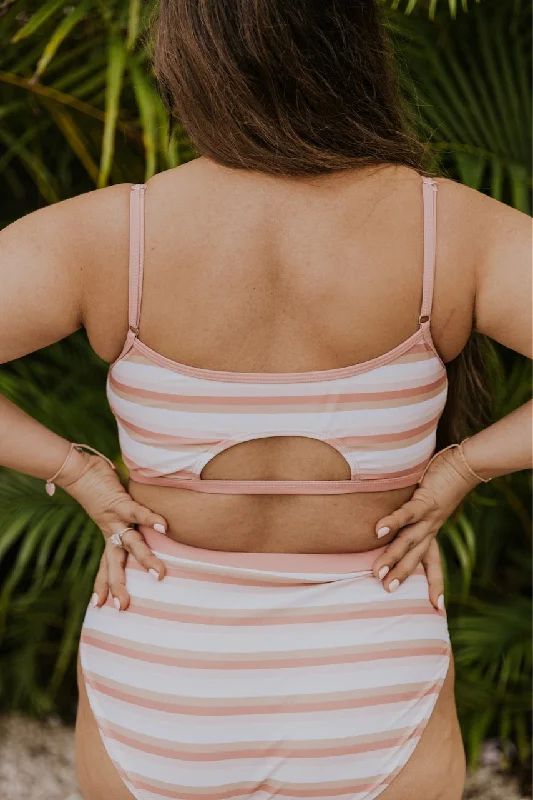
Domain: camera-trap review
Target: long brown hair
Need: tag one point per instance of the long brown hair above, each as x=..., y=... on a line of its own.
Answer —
x=300, y=88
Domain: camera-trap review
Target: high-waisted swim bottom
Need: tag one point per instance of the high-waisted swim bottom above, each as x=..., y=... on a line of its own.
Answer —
x=261, y=675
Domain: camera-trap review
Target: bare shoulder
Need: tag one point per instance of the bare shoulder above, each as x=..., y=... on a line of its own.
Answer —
x=481, y=217
x=74, y=217
x=494, y=243
x=98, y=222
x=477, y=226
x=70, y=236
x=47, y=259
x=104, y=215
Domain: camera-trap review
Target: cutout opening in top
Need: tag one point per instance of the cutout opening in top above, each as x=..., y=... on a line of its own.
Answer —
x=283, y=458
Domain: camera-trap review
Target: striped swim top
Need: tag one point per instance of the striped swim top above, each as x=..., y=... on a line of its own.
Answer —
x=381, y=415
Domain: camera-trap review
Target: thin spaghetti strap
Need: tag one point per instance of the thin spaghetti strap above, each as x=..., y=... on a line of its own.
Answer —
x=429, y=192
x=136, y=257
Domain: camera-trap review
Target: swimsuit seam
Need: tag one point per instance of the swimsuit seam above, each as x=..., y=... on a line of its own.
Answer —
x=129, y=344
x=428, y=338
x=311, y=376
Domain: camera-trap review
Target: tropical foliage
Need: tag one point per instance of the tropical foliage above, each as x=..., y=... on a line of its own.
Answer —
x=79, y=111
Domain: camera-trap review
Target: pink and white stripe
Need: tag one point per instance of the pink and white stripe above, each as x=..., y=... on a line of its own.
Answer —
x=383, y=421
x=254, y=675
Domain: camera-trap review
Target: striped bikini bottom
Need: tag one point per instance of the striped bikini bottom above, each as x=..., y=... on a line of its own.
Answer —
x=261, y=675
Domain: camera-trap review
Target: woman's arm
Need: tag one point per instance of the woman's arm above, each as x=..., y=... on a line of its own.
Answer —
x=41, y=266
x=503, y=311
x=45, y=265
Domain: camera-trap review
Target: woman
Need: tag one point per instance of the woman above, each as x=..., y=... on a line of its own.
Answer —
x=268, y=618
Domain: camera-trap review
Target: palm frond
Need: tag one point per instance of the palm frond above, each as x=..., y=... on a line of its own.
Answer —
x=468, y=80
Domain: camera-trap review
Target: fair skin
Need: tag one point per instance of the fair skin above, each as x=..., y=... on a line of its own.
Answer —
x=248, y=272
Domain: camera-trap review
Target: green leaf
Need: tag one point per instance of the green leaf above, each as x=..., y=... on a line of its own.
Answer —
x=133, y=23
x=60, y=34
x=144, y=94
x=470, y=168
x=38, y=19
x=432, y=5
x=75, y=138
x=115, y=69
x=34, y=165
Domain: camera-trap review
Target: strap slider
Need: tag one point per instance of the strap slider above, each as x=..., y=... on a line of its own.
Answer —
x=134, y=329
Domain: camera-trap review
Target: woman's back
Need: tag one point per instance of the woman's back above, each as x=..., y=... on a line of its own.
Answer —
x=246, y=272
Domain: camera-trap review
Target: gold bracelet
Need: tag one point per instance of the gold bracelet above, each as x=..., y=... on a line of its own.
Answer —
x=463, y=459
x=467, y=465
x=50, y=485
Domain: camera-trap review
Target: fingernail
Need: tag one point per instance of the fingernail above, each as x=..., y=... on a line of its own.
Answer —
x=159, y=528
x=383, y=571
x=116, y=603
x=94, y=599
x=155, y=573
x=393, y=585
x=440, y=602
x=383, y=532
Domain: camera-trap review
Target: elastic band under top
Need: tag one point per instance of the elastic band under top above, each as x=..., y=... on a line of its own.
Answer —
x=429, y=192
x=324, y=487
x=136, y=255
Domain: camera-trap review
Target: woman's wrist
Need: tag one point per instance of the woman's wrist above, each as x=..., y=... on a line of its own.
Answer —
x=467, y=479
x=76, y=465
x=504, y=447
x=476, y=462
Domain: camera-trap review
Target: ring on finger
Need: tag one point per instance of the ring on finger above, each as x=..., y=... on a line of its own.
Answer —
x=116, y=538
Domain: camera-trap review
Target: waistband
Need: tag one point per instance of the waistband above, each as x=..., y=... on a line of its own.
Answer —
x=271, y=562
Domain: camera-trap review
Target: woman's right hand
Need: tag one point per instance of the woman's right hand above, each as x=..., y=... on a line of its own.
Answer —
x=416, y=523
x=91, y=481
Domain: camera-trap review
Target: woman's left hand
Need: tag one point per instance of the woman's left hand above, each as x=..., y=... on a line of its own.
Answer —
x=412, y=528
